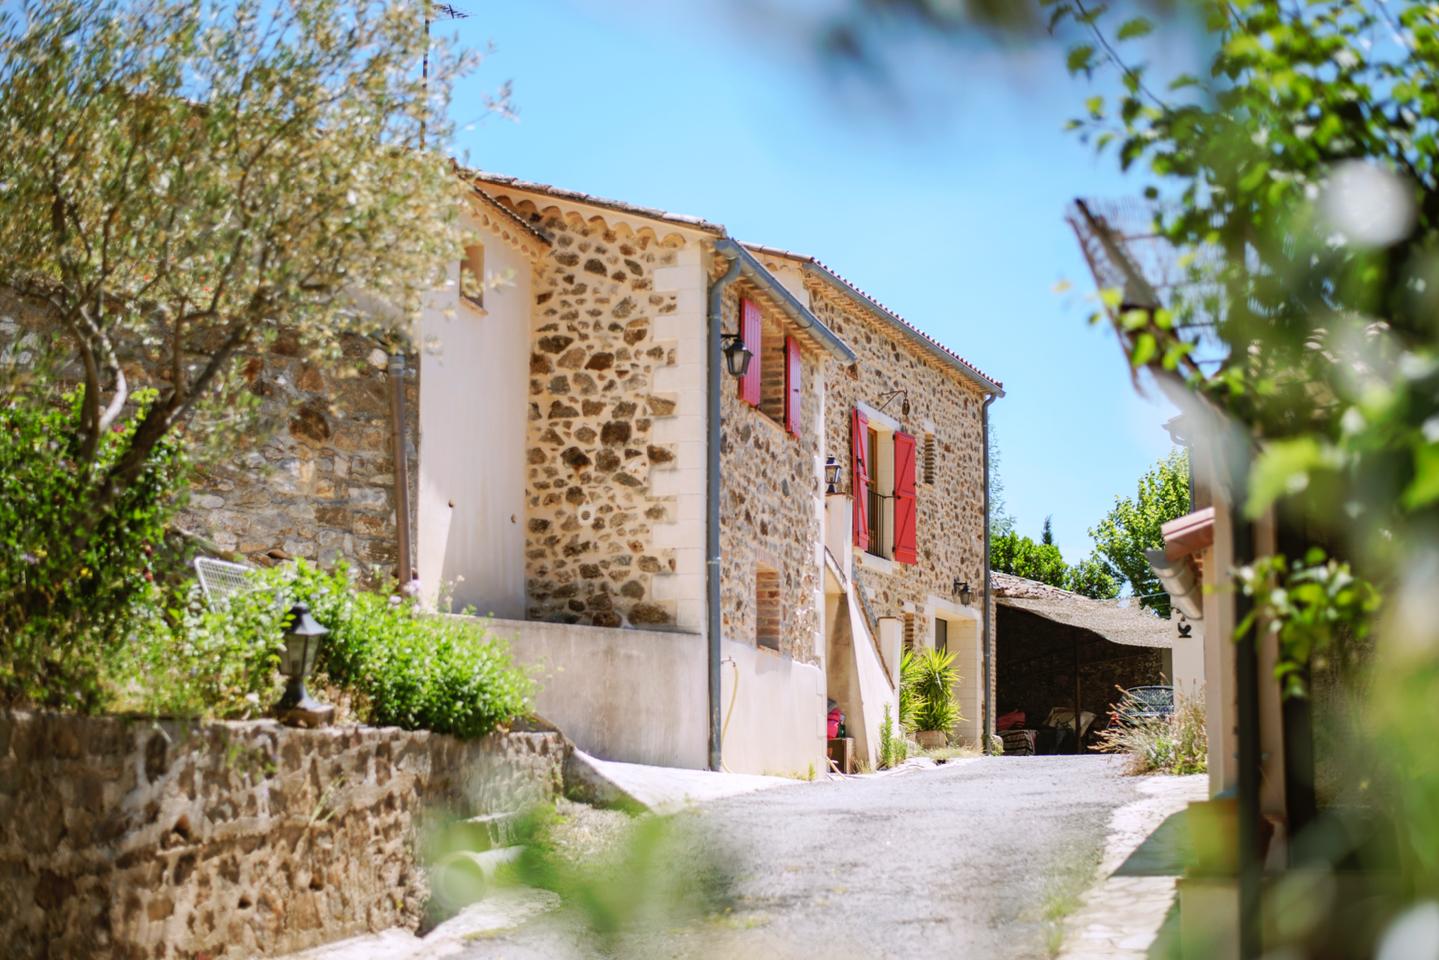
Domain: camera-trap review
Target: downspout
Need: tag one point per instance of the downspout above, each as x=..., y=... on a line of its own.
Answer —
x=714, y=368
x=406, y=570
x=987, y=711
x=1246, y=669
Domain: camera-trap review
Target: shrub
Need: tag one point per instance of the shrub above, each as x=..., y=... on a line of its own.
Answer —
x=908, y=701
x=934, y=677
x=406, y=668
x=1176, y=744
x=892, y=749
x=74, y=584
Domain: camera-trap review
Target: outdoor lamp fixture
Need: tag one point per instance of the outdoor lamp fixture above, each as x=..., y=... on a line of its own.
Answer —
x=888, y=398
x=736, y=354
x=831, y=475
x=961, y=587
x=302, y=642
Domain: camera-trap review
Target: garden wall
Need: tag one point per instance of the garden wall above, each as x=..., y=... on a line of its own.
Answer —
x=131, y=838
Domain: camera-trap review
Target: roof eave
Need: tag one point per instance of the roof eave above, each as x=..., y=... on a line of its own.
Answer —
x=813, y=268
x=793, y=308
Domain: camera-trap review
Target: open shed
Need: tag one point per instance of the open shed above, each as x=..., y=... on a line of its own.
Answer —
x=1055, y=649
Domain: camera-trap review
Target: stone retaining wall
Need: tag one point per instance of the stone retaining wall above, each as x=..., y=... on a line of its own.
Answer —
x=132, y=838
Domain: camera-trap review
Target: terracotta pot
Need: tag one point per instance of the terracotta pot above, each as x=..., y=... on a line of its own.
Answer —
x=932, y=739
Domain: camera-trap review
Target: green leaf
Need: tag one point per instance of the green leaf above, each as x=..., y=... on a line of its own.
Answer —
x=1137, y=27
x=1283, y=468
x=1424, y=488
x=1081, y=58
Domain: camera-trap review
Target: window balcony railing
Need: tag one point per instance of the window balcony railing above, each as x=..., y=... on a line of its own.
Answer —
x=878, y=531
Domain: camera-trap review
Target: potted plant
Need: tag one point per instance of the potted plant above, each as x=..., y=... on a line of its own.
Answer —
x=932, y=678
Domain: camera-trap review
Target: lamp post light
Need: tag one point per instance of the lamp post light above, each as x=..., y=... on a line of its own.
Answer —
x=302, y=642
x=831, y=475
x=961, y=587
x=736, y=355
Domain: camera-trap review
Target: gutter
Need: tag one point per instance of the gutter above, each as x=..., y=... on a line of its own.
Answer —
x=987, y=711
x=796, y=311
x=715, y=383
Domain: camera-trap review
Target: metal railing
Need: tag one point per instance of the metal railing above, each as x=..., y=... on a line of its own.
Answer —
x=878, y=542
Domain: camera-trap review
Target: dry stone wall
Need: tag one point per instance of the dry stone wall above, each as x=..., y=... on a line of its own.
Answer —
x=592, y=555
x=123, y=838
x=769, y=499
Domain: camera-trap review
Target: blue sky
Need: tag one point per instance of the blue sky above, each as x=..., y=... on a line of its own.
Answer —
x=945, y=199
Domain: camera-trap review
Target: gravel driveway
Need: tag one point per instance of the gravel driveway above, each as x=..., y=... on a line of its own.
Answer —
x=975, y=859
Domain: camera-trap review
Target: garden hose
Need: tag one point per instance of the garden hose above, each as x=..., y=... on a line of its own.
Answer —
x=724, y=728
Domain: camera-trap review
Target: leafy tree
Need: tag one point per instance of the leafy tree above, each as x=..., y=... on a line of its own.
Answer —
x=180, y=177
x=1021, y=556
x=1000, y=520
x=1133, y=526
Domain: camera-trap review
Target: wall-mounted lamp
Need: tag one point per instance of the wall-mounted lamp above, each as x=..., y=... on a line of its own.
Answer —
x=888, y=398
x=736, y=355
x=831, y=475
x=961, y=587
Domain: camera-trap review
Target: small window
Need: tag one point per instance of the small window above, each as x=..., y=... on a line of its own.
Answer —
x=472, y=275
x=909, y=631
x=941, y=635
x=929, y=458
x=772, y=358
x=767, y=609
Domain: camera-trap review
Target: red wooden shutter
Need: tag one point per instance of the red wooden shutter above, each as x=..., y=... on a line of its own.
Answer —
x=749, y=331
x=904, y=513
x=791, y=385
x=859, y=477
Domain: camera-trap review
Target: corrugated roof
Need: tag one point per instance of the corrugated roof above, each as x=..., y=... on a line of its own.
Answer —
x=985, y=381
x=1128, y=626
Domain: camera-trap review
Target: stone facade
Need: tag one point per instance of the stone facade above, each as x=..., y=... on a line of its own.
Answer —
x=593, y=511
x=949, y=511
x=769, y=499
x=123, y=838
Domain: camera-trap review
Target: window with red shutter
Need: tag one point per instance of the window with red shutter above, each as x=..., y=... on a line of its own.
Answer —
x=904, y=502
x=791, y=385
x=859, y=477
x=749, y=331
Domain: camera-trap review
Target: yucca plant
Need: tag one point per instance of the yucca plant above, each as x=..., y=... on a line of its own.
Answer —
x=934, y=678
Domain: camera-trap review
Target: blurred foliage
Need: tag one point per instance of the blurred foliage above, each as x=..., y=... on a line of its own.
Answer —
x=1133, y=526
x=69, y=602
x=1297, y=177
x=1314, y=607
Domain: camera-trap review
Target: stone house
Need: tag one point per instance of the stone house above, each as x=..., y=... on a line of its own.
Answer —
x=694, y=562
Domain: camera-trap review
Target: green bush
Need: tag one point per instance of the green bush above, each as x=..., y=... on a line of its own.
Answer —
x=75, y=581
x=892, y=749
x=406, y=668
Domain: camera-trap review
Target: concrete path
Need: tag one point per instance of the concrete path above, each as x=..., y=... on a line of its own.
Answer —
x=975, y=859
x=664, y=789
x=1124, y=916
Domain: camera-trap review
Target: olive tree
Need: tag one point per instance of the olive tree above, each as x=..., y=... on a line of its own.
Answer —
x=180, y=179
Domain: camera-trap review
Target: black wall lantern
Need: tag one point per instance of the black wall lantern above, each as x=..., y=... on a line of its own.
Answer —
x=302, y=643
x=736, y=355
x=831, y=475
x=903, y=404
x=961, y=587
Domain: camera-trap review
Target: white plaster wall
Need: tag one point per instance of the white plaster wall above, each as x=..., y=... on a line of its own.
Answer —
x=777, y=723
x=473, y=414
x=683, y=480
x=1188, y=654
x=637, y=696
